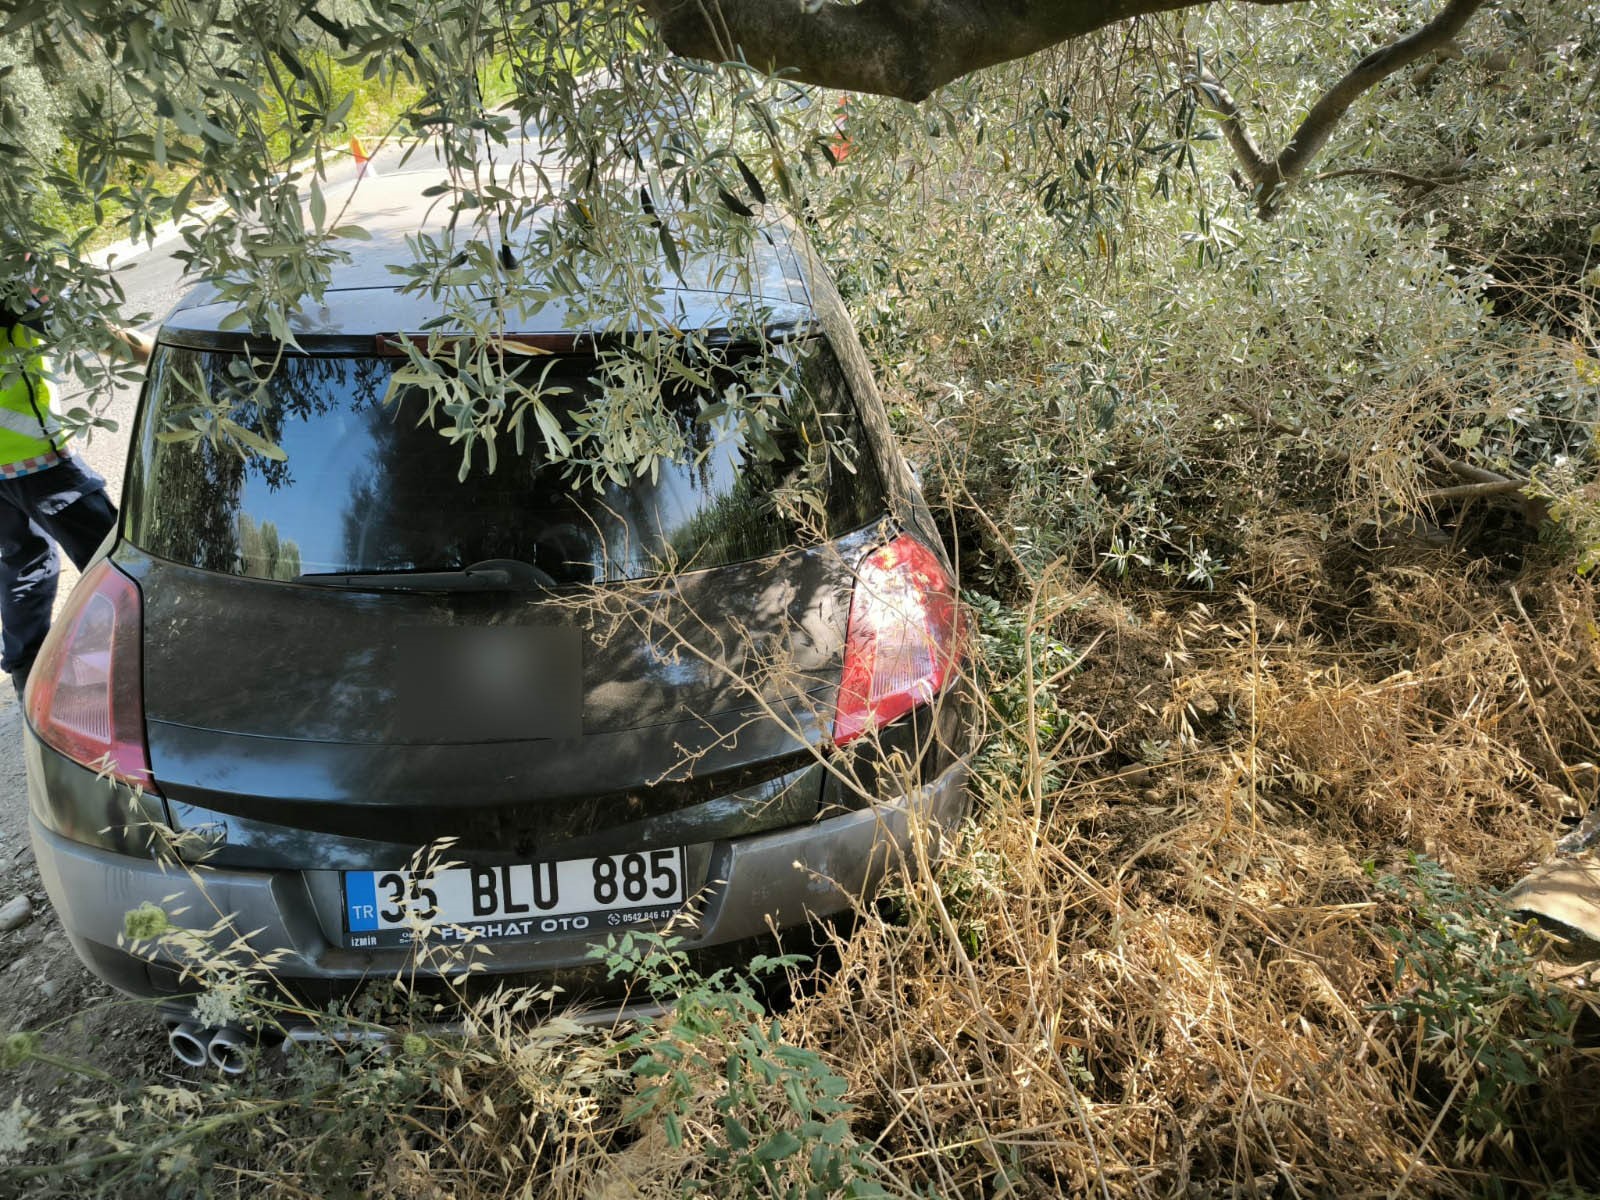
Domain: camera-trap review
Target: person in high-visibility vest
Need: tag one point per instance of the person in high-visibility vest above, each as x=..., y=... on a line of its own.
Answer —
x=45, y=492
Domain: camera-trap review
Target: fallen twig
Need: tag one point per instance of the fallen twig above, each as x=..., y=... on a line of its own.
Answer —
x=1474, y=491
x=1421, y=181
x=1465, y=470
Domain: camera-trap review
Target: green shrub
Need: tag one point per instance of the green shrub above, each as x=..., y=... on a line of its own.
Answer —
x=1483, y=1014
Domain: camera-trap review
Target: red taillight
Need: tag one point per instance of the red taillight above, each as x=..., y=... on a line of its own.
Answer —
x=85, y=690
x=903, y=641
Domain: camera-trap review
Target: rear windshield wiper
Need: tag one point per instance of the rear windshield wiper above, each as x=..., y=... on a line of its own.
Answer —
x=491, y=575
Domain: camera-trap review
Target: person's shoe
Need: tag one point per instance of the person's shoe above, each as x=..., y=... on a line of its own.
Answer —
x=19, y=684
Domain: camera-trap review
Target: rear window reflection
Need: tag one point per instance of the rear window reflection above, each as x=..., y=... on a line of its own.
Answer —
x=370, y=485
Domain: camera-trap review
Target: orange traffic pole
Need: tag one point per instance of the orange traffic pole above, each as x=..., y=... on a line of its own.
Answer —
x=363, y=159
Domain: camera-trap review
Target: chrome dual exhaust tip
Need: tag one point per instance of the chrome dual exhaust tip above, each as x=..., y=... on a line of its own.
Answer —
x=225, y=1048
x=189, y=1042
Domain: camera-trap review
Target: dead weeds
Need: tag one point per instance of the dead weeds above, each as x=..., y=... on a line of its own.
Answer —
x=1171, y=974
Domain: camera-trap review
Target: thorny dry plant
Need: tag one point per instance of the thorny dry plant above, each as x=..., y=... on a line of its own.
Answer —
x=1172, y=971
x=1158, y=959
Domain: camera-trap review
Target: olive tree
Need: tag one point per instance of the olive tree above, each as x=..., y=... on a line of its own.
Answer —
x=660, y=130
x=907, y=48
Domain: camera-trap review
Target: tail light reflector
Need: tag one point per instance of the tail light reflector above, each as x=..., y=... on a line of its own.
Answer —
x=85, y=692
x=904, y=637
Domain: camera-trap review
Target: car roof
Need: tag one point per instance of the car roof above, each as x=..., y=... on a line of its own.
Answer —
x=362, y=300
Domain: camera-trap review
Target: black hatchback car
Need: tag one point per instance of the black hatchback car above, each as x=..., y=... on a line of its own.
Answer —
x=675, y=698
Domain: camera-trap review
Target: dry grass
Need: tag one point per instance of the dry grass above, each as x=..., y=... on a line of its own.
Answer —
x=1160, y=962
x=1160, y=979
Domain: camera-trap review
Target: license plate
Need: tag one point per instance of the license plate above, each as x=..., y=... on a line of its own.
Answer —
x=580, y=895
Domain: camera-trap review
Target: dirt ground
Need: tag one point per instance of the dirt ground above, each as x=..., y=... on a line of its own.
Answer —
x=43, y=986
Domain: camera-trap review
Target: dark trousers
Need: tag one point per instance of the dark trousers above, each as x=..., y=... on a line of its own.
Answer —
x=67, y=502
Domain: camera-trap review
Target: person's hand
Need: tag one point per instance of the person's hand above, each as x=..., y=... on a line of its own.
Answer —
x=139, y=346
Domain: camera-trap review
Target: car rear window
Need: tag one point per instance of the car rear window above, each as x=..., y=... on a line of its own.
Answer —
x=370, y=484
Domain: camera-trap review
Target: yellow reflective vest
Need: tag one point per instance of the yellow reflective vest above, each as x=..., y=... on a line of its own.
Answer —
x=30, y=439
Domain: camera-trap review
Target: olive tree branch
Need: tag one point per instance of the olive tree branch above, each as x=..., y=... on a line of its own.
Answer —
x=1405, y=177
x=1269, y=178
x=902, y=48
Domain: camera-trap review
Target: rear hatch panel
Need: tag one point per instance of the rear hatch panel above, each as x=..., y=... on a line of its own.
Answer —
x=297, y=712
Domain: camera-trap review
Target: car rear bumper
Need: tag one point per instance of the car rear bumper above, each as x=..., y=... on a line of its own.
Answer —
x=753, y=884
